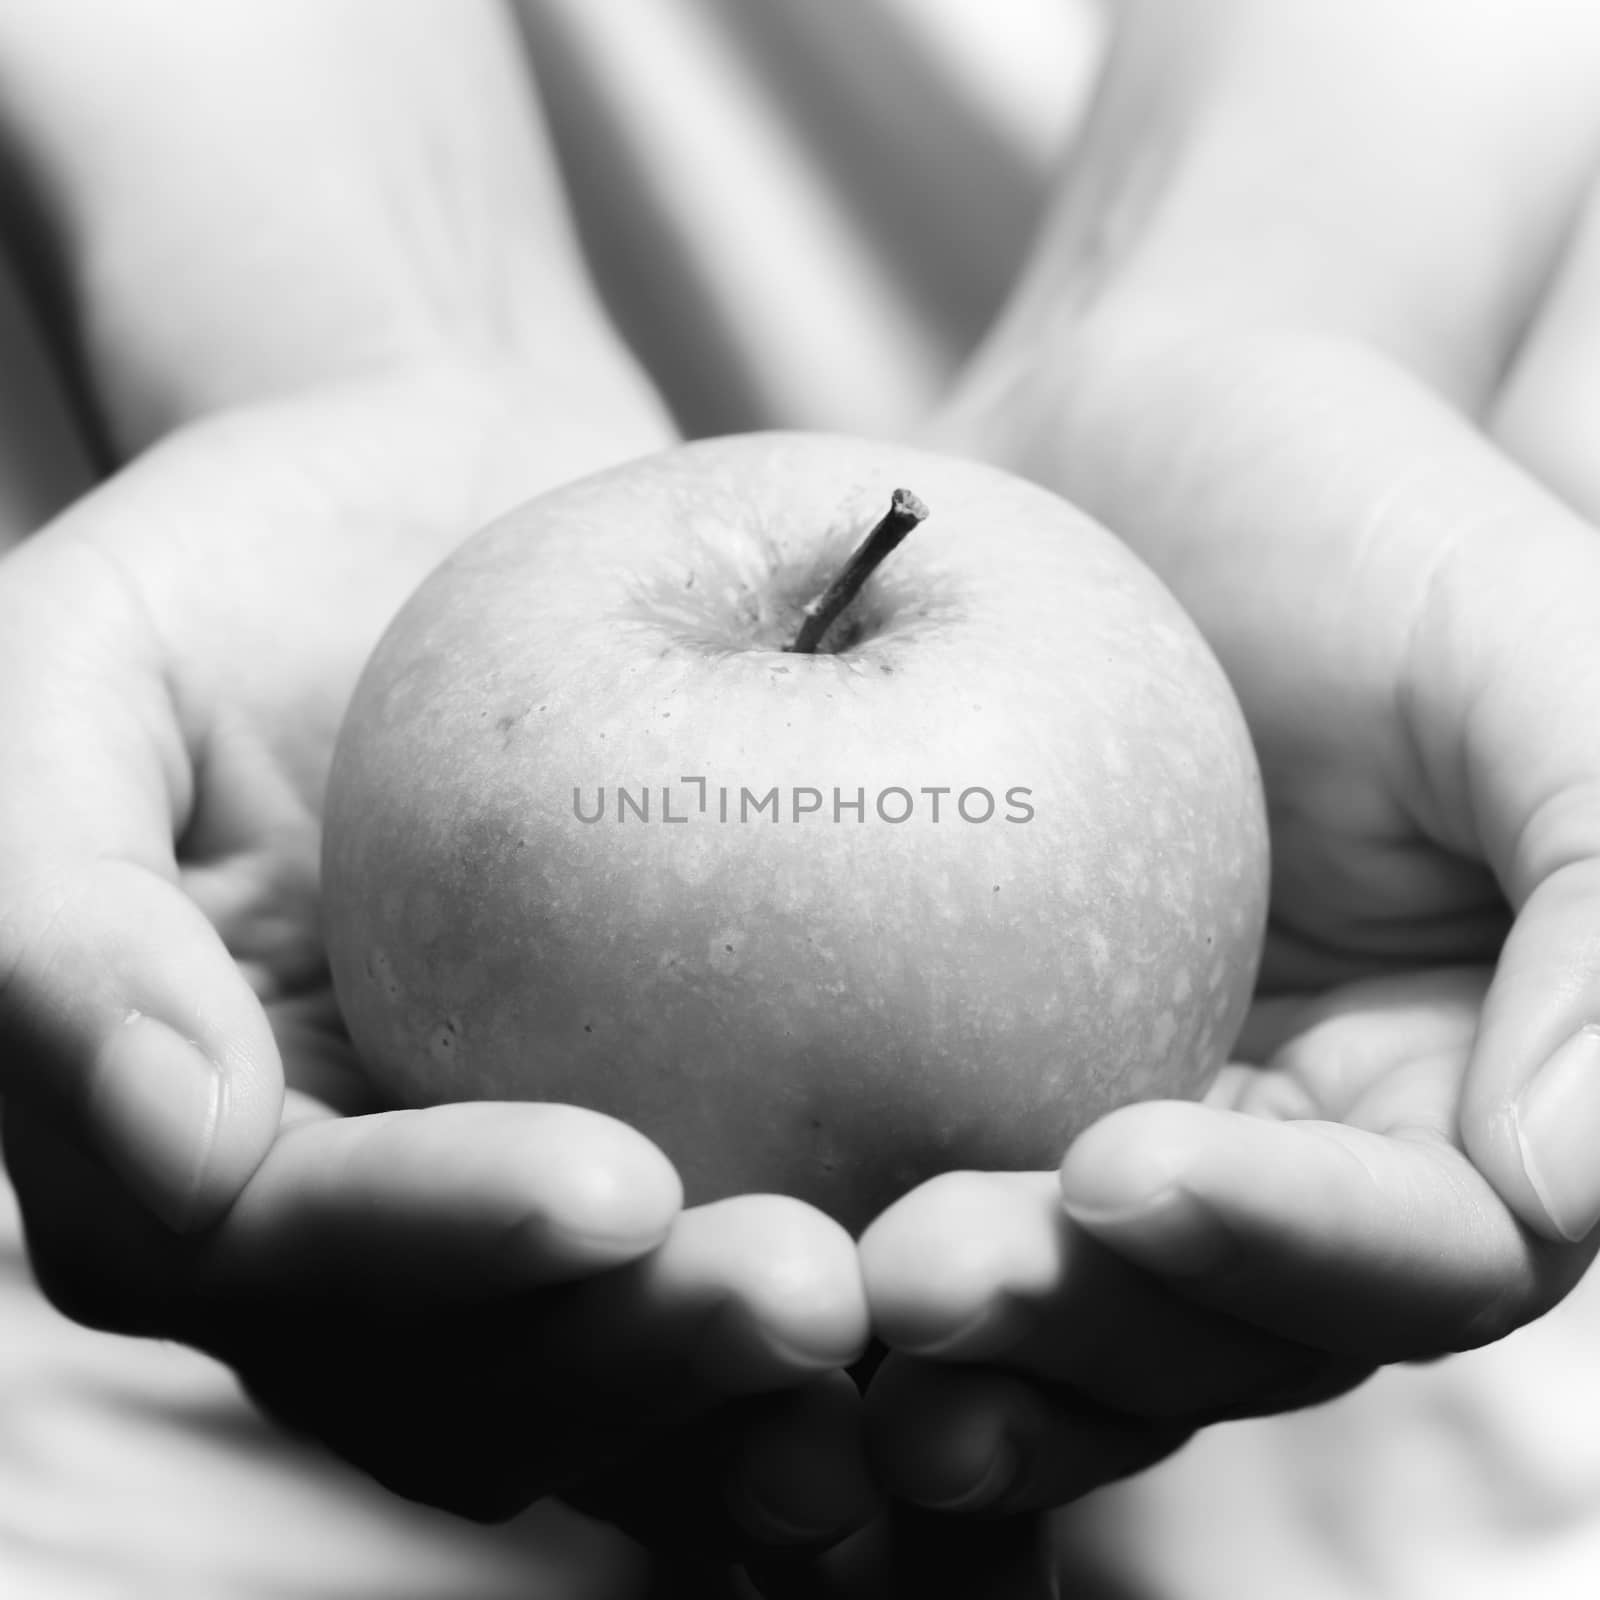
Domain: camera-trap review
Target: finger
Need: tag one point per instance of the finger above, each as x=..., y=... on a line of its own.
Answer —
x=773, y=1478
x=454, y=1204
x=746, y=1295
x=1060, y=1365
x=418, y=1211
x=976, y=1440
x=544, y=1392
x=400, y=1361
x=1502, y=678
x=1375, y=1246
x=1534, y=1130
x=119, y=1007
x=1325, y=1050
x=987, y=1268
x=798, y=1477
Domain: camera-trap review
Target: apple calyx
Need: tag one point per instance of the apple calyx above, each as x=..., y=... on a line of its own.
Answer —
x=904, y=513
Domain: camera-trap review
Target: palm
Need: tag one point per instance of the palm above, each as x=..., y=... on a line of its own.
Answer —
x=263, y=553
x=1362, y=883
x=1285, y=490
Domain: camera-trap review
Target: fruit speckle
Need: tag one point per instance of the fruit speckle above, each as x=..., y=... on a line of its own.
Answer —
x=723, y=953
x=381, y=970
x=445, y=1041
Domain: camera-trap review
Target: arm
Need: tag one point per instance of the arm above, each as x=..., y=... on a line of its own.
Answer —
x=1399, y=176
x=247, y=199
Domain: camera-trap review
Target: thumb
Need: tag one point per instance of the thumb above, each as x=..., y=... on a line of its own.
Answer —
x=122, y=1014
x=1506, y=656
x=1533, y=1115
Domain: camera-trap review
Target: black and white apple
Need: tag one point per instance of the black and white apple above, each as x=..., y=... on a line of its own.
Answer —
x=934, y=892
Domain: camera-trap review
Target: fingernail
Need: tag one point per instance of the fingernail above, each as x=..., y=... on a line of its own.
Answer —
x=998, y=1474
x=1171, y=1232
x=154, y=1108
x=619, y=1199
x=1558, y=1128
x=737, y=1353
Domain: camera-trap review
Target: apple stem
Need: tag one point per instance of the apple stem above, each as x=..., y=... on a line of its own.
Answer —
x=904, y=513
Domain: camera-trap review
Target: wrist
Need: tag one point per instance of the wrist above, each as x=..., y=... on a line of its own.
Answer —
x=515, y=426
x=150, y=376
x=245, y=200
x=545, y=424
x=1258, y=166
x=267, y=320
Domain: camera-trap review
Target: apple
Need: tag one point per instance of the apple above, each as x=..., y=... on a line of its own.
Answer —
x=988, y=863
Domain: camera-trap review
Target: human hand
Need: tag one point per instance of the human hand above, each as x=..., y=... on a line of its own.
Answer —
x=478, y=1305
x=482, y=1305
x=1313, y=435
x=1401, y=608
x=1316, y=1217
x=334, y=344
x=177, y=650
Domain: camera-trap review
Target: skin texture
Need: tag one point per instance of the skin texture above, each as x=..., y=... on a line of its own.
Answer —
x=830, y=1009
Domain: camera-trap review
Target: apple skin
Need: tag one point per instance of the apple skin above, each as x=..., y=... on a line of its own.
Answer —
x=834, y=1009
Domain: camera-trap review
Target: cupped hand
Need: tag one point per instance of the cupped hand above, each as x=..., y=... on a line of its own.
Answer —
x=477, y=1304
x=1323, y=445
x=1404, y=614
x=1314, y=1218
x=175, y=654
x=484, y=1304
x=1359, y=454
